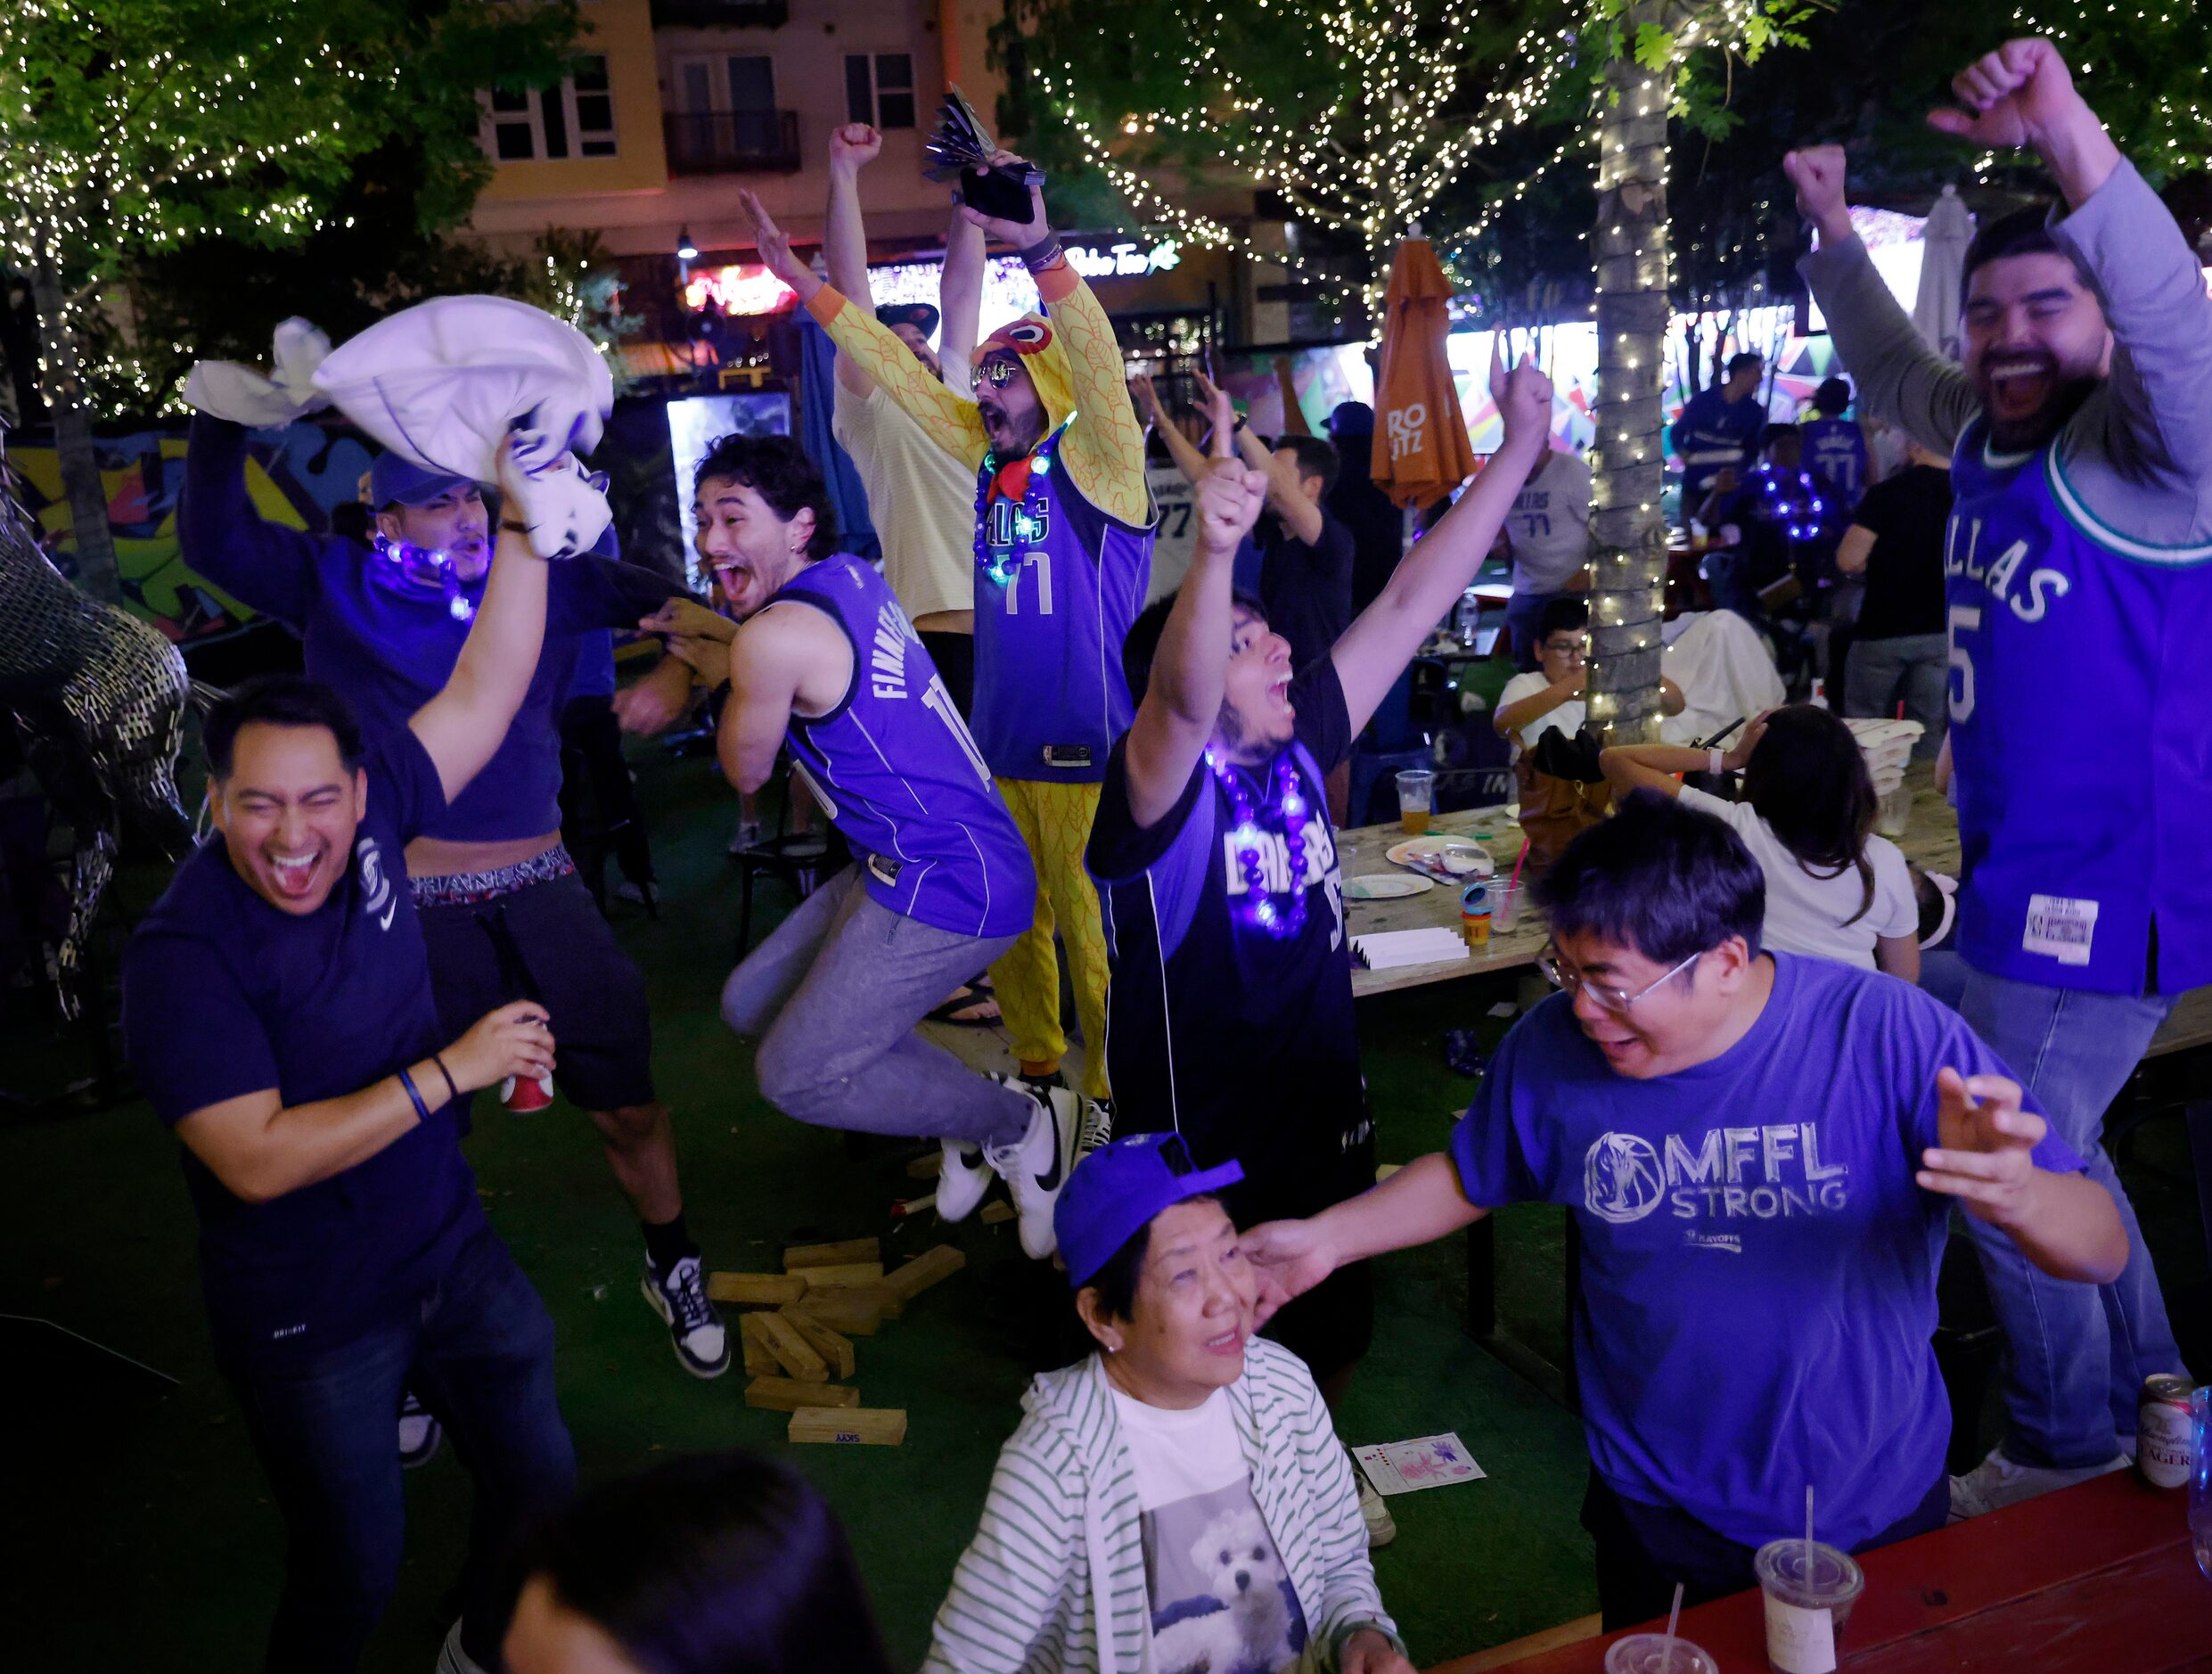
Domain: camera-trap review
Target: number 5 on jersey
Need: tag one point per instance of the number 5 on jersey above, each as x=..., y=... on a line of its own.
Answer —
x=1966, y=617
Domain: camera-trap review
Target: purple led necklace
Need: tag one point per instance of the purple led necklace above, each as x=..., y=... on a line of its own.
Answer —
x=1286, y=813
x=1788, y=508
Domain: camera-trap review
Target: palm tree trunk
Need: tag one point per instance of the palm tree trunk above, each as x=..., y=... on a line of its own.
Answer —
x=63, y=386
x=1627, y=530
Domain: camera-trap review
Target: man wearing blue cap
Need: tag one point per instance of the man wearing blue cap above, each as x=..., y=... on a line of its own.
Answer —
x=503, y=911
x=1176, y=1499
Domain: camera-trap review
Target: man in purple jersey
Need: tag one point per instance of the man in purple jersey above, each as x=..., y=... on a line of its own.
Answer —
x=2080, y=560
x=824, y=658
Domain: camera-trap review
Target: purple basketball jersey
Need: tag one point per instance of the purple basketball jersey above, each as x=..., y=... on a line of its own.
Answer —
x=897, y=771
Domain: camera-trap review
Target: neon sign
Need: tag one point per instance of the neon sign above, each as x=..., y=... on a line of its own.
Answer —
x=1127, y=259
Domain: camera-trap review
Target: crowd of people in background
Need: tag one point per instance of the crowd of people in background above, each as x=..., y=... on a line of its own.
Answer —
x=1026, y=765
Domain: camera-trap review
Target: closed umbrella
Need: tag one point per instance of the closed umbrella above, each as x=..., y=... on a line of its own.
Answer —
x=1421, y=448
x=1937, y=305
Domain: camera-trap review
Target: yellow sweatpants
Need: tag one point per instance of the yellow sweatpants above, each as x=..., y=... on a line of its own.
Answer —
x=1055, y=823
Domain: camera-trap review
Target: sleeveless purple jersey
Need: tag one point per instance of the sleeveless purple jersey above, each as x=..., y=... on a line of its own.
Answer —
x=1835, y=448
x=897, y=773
x=1058, y=582
x=2083, y=802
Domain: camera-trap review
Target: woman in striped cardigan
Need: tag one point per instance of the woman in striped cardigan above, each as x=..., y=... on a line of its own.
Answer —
x=1179, y=1498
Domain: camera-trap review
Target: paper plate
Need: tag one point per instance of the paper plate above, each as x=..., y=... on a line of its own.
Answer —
x=1385, y=886
x=1407, y=852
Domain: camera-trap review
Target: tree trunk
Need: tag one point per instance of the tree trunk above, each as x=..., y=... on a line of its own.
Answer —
x=1628, y=533
x=63, y=385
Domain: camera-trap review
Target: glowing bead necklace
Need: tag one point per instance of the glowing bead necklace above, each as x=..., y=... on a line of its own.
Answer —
x=1285, y=813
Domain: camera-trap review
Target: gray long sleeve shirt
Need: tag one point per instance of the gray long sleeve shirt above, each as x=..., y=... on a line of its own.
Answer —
x=2079, y=596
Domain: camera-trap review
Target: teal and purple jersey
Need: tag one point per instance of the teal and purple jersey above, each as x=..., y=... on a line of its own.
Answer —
x=896, y=770
x=1058, y=582
x=2082, y=808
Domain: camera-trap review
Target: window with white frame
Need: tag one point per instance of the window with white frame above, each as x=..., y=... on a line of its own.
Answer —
x=547, y=124
x=879, y=89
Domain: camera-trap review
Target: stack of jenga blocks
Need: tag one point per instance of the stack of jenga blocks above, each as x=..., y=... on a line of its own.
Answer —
x=799, y=1335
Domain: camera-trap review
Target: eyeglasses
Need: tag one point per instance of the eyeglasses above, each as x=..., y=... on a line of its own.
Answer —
x=1577, y=651
x=999, y=372
x=1614, y=1000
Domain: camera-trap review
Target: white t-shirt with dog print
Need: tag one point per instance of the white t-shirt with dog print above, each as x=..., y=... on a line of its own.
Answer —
x=1221, y=1598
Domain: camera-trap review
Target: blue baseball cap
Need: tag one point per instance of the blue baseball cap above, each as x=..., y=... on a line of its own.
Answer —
x=393, y=478
x=1118, y=1189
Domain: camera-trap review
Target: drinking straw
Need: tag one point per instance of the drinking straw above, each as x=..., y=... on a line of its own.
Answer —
x=1518, y=859
x=1808, y=1534
x=1667, y=1662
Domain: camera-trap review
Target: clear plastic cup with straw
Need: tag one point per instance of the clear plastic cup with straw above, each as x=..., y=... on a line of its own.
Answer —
x=1659, y=1652
x=1809, y=1589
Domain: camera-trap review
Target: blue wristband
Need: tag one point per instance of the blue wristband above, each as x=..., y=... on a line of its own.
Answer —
x=413, y=1097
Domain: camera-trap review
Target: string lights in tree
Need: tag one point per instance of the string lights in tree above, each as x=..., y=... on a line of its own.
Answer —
x=2145, y=68
x=1380, y=122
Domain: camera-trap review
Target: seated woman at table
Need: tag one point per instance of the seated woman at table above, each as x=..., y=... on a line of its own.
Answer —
x=1834, y=890
x=1176, y=1499
x=1218, y=872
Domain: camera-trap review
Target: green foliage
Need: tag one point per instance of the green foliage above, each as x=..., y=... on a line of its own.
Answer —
x=2147, y=71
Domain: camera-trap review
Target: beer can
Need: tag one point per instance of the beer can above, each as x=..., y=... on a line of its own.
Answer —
x=2165, y=1449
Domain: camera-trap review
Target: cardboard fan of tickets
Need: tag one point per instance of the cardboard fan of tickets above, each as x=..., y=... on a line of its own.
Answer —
x=959, y=149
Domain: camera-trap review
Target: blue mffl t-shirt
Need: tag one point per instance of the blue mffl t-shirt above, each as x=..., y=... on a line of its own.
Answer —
x=1758, y=1271
x=225, y=995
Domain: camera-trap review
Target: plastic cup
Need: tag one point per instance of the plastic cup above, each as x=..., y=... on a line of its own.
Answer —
x=1807, y=1604
x=1505, y=895
x=1417, y=796
x=1657, y=1654
x=1894, y=813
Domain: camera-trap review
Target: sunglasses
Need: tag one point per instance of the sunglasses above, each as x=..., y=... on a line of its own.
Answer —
x=999, y=371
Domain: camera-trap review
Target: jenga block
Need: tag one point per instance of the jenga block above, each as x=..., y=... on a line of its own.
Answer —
x=926, y=1167
x=850, y=1427
x=760, y=1359
x=924, y=1270
x=856, y=1313
x=787, y=1395
x=997, y=1212
x=848, y=1276
x=757, y=1290
x=832, y=1348
x=790, y=1348
x=830, y=1255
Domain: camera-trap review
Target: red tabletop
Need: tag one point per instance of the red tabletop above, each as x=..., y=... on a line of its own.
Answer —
x=2097, y=1578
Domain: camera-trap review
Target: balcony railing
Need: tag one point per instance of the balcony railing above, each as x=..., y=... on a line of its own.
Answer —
x=720, y=14
x=733, y=142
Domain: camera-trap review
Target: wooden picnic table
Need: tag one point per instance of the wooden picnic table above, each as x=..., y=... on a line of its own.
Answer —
x=2096, y=1579
x=1931, y=843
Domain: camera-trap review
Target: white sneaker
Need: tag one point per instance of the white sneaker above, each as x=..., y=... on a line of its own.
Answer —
x=1037, y=1166
x=962, y=1181
x=1997, y=1483
x=1381, y=1528
x=453, y=1659
x=418, y=1432
x=1098, y=1127
x=695, y=1329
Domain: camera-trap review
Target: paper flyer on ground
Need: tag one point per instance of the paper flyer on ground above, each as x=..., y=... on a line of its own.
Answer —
x=1400, y=1468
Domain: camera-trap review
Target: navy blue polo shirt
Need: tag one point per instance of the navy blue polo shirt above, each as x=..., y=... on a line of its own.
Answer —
x=225, y=995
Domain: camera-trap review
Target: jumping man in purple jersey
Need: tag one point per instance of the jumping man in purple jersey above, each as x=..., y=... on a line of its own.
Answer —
x=824, y=658
x=2078, y=603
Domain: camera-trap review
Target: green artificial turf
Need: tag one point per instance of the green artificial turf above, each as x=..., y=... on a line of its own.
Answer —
x=136, y=1532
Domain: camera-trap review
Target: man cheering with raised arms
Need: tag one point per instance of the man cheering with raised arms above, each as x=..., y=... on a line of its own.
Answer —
x=1063, y=550
x=2080, y=436
x=277, y=1009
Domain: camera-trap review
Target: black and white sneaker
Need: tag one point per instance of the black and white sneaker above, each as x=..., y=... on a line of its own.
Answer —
x=418, y=1432
x=1036, y=1166
x=962, y=1179
x=694, y=1328
x=1098, y=1127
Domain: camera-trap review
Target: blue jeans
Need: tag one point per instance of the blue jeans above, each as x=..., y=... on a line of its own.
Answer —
x=1522, y=613
x=478, y=1351
x=2077, y=1354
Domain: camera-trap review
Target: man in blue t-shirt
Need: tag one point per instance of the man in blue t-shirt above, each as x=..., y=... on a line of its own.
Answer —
x=1231, y=1020
x=277, y=1009
x=1761, y=1152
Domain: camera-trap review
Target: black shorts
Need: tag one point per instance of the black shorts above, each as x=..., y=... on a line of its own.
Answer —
x=547, y=942
x=1331, y=1326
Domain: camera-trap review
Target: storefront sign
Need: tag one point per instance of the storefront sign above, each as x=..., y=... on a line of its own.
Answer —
x=1127, y=259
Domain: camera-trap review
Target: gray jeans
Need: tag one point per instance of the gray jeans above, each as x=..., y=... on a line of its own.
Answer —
x=1914, y=667
x=834, y=994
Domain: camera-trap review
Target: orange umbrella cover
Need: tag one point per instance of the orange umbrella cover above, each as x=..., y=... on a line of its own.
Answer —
x=1421, y=448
